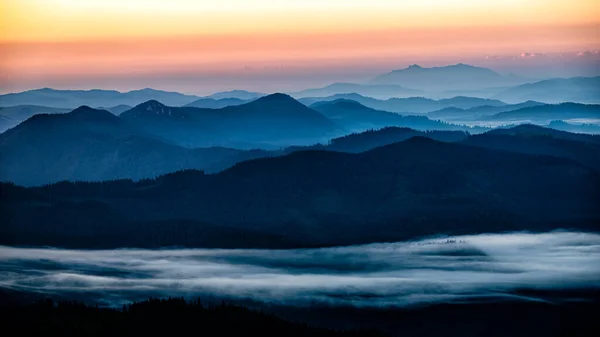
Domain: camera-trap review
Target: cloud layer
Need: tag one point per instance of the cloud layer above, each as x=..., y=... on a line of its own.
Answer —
x=390, y=274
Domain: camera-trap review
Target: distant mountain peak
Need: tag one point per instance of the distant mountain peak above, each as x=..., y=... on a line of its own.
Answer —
x=151, y=108
x=85, y=112
x=449, y=77
x=276, y=97
x=84, y=109
x=155, y=107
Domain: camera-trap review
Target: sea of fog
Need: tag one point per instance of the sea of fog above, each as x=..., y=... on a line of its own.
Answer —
x=462, y=268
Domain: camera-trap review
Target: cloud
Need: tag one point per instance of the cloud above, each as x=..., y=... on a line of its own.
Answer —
x=531, y=55
x=493, y=57
x=386, y=274
x=588, y=53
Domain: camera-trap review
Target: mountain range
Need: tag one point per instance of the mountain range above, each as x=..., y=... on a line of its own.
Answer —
x=275, y=119
x=453, y=77
x=355, y=117
x=97, y=98
x=236, y=94
x=578, y=128
x=544, y=114
x=211, y=103
x=404, y=190
x=559, y=90
x=13, y=115
x=458, y=114
x=372, y=90
x=151, y=139
x=412, y=105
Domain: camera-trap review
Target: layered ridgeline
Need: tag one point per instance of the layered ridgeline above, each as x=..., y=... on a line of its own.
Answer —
x=453, y=113
x=547, y=113
x=96, y=98
x=153, y=139
x=558, y=90
x=464, y=80
x=447, y=81
x=276, y=119
x=94, y=145
x=354, y=116
x=410, y=105
x=404, y=190
x=453, y=77
x=13, y=115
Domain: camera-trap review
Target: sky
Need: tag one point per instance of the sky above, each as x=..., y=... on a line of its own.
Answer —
x=205, y=46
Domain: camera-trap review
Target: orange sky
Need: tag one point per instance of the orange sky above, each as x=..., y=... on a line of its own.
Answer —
x=57, y=40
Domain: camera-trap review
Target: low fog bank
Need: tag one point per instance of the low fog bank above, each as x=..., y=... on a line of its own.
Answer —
x=456, y=269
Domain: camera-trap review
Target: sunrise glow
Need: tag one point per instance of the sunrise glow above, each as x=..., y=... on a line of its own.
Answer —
x=42, y=39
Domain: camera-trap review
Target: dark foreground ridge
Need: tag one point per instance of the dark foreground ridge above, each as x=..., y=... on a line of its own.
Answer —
x=175, y=316
x=157, y=317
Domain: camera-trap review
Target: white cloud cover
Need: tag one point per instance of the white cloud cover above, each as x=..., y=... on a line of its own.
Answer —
x=387, y=274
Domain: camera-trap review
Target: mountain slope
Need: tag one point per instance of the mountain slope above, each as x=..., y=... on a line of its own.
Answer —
x=13, y=115
x=536, y=140
x=356, y=117
x=576, y=89
x=118, y=109
x=454, y=113
x=578, y=128
x=404, y=190
x=368, y=140
x=411, y=105
x=546, y=113
x=274, y=119
x=88, y=144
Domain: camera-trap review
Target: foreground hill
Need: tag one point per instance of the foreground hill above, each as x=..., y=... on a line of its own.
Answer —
x=404, y=190
x=155, y=316
x=173, y=316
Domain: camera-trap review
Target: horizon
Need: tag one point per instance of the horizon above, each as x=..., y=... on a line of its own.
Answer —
x=197, y=47
x=288, y=92
x=320, y=167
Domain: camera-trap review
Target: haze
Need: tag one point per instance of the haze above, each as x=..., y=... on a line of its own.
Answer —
x=201, y=47
x=382, y=275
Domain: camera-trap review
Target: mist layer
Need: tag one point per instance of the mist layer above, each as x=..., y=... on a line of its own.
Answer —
x=462, y=268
